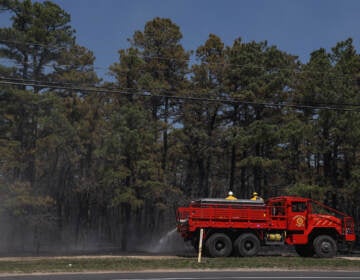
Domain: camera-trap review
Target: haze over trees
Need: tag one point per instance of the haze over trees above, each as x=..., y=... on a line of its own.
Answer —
x=86, y=163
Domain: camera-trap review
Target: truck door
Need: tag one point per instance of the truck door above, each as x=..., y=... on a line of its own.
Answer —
x=297, y=215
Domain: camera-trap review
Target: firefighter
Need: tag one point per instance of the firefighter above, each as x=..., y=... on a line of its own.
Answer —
x=256, y=196
x=231, y=196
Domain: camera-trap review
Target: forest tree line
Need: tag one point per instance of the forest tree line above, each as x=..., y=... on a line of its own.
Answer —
x=86, y=162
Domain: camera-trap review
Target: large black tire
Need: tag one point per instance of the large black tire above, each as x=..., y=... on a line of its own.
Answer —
x=325, y=246
x=247, y=245
x=305, y=250
x=218, y=245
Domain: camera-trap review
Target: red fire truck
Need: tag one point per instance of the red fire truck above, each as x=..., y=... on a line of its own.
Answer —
x=240, y=227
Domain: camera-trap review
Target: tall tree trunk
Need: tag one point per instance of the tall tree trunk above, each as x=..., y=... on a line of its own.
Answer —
x=125, y=213
x=232, y=168
x=243, y=183
x=257, y=170
x=165, y=135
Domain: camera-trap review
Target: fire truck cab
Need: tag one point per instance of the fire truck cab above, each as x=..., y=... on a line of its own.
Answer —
x=240, y=227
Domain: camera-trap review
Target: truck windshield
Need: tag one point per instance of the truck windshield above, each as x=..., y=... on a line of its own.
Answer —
x=318, y=208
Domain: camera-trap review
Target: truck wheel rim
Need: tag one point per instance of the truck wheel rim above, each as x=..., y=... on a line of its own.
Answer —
x=325, y=247
x=248, y=245
x=219, y=246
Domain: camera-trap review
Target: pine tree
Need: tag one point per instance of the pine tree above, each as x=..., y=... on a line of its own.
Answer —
x=201, y=133
x=163, y=72
x=41, y=145
x=258, y=76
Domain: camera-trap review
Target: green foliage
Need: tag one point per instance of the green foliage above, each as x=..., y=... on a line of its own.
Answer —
x=128, y=71
x=304, y=190
x=39, y=34
x=165, y=59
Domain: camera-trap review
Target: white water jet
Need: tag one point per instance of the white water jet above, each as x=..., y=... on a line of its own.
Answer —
x=165, y=243
x=170, y=242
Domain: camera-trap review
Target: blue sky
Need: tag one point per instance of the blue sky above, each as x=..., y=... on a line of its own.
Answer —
x=295, y=26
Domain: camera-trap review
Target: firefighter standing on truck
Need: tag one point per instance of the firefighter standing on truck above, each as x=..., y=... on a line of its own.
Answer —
x=256, y=196
x=231, y=196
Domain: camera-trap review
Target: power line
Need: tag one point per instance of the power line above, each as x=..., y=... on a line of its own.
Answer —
x=71, y=85
x=169, y=95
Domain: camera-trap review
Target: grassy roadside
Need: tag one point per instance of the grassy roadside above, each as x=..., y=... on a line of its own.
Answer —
x=73, y=264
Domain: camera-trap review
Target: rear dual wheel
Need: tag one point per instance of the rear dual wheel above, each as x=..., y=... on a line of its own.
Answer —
x=218, y=245
x=247, y=245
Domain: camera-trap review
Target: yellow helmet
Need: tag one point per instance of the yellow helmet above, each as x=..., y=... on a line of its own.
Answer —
x=255, y=193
